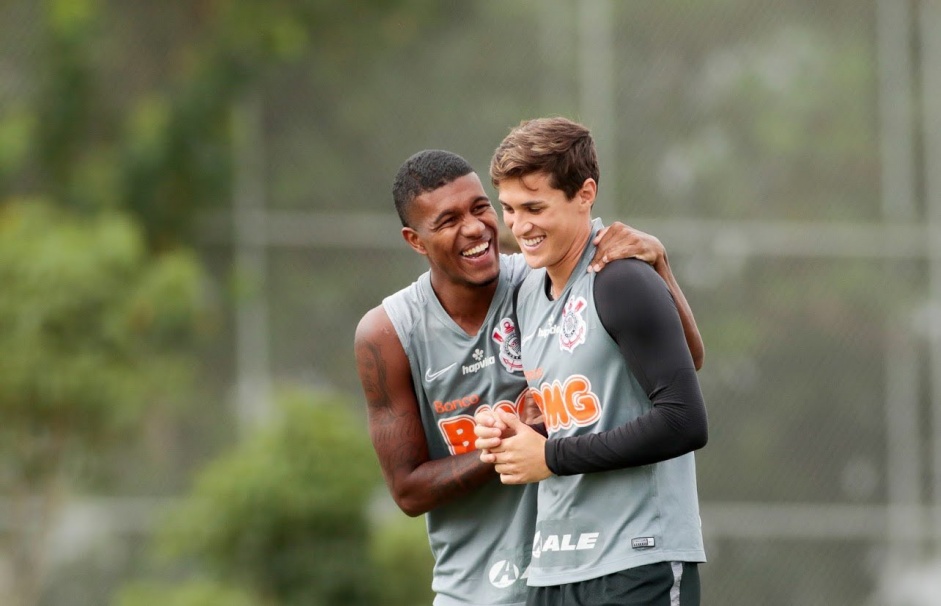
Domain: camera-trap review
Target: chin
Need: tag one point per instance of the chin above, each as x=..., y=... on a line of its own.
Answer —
x=534, y=261
x=486, y=280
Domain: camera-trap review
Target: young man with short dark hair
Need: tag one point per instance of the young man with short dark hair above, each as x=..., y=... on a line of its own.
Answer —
x=609, y=368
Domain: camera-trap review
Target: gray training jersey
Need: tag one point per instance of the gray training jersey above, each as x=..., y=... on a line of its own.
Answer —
x=594, y=524
x=481, y=542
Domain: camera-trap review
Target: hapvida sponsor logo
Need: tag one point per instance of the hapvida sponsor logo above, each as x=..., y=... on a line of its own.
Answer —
x=552, y=329
x=482, y=362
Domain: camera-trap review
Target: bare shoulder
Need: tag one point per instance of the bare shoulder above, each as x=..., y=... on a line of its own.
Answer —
x=376, y=333
x=374, y=324
x=382, y=363
x=375, y=339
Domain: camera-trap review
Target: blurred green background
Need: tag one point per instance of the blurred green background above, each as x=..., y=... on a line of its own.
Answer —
x=195, y=212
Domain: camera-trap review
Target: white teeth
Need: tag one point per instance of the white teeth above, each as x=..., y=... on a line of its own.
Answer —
x=470, y=252
x=532, y=241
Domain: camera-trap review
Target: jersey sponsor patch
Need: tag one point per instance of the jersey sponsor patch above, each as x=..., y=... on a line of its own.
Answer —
x=457, y=431
x=503, y=574
x=442, y=406
x=481, y=360
x=551, y=329
x=564, y=404
x=563, y=544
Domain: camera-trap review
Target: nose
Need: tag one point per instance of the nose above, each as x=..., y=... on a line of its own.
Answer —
x=473, y=226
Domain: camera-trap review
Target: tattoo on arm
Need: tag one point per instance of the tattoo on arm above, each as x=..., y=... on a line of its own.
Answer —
x=399, y=440
x=393, y=435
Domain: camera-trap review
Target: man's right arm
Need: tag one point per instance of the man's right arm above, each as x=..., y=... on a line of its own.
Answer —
x=417, y=483
x=693, y=339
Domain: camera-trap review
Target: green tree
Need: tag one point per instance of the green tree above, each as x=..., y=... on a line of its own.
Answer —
x=191, y=593
x=97, y=121
x=91, y=327
x=283, y=516
x=403, y=561
x=163, y=149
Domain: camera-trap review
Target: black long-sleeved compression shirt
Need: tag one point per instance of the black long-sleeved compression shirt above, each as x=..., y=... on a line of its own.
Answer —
x=638, y=312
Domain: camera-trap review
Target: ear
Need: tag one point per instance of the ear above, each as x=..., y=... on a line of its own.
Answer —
x=414, y=240
x=586, y=195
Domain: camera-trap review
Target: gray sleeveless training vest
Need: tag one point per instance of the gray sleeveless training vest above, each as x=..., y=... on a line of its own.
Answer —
x=482, y=542
x=595, y=524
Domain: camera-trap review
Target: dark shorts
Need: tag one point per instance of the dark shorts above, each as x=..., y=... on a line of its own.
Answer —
x=660, y=584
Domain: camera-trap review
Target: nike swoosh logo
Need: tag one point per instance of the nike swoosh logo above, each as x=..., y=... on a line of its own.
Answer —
x=431, y=376
x=528, y=337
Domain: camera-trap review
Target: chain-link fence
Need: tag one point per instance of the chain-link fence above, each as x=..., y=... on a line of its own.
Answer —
x=786, y=153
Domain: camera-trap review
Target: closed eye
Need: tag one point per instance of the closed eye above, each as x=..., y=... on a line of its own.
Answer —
x=444, y=222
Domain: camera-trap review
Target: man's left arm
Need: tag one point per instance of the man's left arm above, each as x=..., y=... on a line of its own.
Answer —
x=619, y=241
x=637, y=310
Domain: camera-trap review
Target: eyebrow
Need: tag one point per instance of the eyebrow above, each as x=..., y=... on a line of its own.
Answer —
x=526, y=204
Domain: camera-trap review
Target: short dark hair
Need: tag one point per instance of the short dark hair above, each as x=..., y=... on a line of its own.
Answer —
x=423, y=172
x=558, y=147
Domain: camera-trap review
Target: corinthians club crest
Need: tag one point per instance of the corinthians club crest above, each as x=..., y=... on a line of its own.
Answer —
x=574, y=328
x=508, y=340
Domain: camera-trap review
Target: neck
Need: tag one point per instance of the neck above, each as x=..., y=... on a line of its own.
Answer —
x=467, y=304
x=559, y=273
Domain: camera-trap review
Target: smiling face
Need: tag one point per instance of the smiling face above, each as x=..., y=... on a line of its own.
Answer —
x=455, y=226
x=550, y=228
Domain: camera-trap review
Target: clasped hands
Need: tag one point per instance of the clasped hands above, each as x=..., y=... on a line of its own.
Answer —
x=516, y=450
